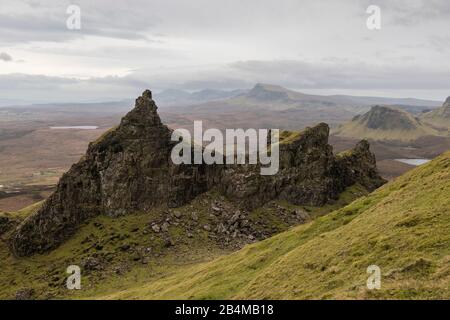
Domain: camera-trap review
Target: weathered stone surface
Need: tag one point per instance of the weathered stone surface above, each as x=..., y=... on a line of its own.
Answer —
x=357, y=166
x=309, y=173
x=129, y=169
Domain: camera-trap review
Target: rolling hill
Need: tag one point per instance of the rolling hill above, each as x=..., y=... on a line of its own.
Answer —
x=385, y=123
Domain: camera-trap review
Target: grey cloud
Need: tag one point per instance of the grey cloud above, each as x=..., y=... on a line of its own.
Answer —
x=45, y=89
x=225, y=83
x=46, y=21
x=5, y=57
x=342, y=75
x=243, y=74
x=410, y=13
x=440, y=43
x=214, y=33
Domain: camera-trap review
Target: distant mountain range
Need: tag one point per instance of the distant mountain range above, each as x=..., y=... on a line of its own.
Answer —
x=272, y=106
x=279, y=97
x=263, y=106
x=273, y=92
x=266, y=95
x=176, y=97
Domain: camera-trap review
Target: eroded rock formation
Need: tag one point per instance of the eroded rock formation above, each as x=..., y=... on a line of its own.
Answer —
x=129, y=169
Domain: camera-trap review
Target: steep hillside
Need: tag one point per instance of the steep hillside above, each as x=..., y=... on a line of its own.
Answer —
x=401, y=227
x=440, y=117
x=385, y=123
x=115, y=253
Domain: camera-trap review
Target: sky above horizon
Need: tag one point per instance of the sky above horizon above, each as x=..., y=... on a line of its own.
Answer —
x=124, y=47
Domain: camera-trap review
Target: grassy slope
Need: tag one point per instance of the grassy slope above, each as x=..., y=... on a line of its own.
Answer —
x=46, y=273
x=440, y=123
x=402, y=227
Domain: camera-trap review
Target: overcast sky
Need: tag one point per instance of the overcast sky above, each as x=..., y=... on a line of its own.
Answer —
x=316, y=46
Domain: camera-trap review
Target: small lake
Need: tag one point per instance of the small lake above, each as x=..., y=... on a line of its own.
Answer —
x=75, y=127
x=413, y=162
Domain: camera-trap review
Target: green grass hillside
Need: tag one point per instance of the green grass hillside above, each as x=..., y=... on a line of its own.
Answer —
x=119, y=253
x=402, y=227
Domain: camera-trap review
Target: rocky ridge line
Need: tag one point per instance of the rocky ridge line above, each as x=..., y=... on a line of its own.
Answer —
x=129, y=169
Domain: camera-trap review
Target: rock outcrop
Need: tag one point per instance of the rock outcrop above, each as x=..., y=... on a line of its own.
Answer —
x=129, y=169
x=309, y=173
x=357, y=166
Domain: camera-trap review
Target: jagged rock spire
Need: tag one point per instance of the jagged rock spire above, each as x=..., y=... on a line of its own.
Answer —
x=144, y=113
x=126, y=170
x=147, y=94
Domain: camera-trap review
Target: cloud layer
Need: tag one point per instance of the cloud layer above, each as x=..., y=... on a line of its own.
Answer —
x=124, y=47
x=5, y=57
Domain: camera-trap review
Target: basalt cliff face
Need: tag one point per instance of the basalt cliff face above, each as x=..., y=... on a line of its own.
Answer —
x=129, y=169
